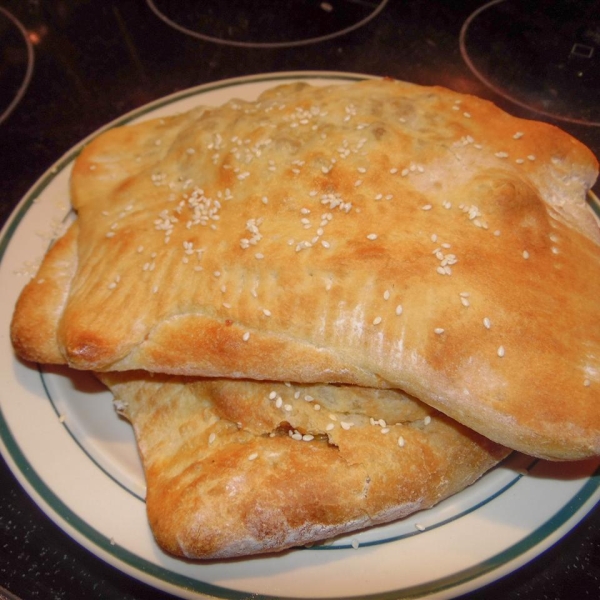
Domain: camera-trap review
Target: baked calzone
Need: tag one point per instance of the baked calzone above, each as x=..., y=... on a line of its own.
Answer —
x=377, y=233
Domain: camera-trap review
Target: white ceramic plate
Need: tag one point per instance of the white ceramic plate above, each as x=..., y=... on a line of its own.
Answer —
x=64, y=442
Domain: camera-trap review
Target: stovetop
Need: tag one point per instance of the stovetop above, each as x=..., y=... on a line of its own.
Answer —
x=69, y=67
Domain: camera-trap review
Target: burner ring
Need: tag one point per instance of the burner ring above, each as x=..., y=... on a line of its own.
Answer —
x=514, y=82
x=377, y=6
x=28, y=70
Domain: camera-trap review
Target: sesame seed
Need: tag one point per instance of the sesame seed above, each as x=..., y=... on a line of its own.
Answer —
x=426, y=207
x=501, y=351
x=278, y=402
x=307, y=437
x=439, y=330
x=386, y=295
x=487, y=323
x=253, y=456
x=346, y=425
x=211, y=438
x=355, y=544
x=501, y=154
x=273, y=395
x=419, y=527
x=246, y=336
x=399, y=309
x=531, y=156
x=525, y=254
x=427, y=420
x=467, y=115
x=329, y=427
x=372, y=236
x=266, y=312
x=377, y=320
x=587, y=382
x=401, y=442
x=518, y=135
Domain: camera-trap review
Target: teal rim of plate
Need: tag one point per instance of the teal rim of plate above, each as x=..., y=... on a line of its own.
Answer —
x=153, y=574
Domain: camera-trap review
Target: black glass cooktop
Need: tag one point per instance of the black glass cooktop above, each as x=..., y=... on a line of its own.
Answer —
x=67, y=67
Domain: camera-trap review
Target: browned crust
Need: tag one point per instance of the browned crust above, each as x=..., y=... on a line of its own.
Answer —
x=225, y=478
x=197, y=301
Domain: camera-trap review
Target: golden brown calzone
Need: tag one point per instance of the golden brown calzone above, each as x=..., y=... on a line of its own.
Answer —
x=235, y=468
x=375, y=233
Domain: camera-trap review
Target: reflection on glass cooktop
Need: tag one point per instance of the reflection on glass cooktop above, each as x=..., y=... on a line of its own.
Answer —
x=16, y=62
x=543, y=55
x=264, y=23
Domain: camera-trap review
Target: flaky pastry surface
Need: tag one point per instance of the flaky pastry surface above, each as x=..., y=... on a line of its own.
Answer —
x=375, y=233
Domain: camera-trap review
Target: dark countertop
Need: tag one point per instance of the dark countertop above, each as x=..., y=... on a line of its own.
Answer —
x=94, y=61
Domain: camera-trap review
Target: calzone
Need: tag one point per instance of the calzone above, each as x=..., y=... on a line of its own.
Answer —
x=376, y=233
x=236, y=468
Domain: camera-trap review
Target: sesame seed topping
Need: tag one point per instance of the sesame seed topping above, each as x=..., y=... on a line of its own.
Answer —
x=401, y=442
x=501, y=351
x=399, y=309
x=419, y=527
x=211, y=438
x=253, y=456
x=346, y=425
x=386, y=295
x=518, y=135
x=487, y=323
x=266, y=312
x=439, y=330
x=587, y=382
x=377, y=320
x=246, y=336
x=372, y=236
x=525, y=254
